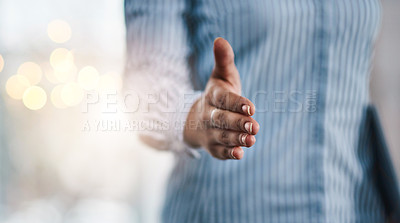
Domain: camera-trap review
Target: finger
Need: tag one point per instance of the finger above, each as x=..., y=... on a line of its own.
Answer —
x=224, y=153
x=225, y=68
x=230, y=138
x=237, y=153
x=224, y=119
x=223, y=55
x=227, y=100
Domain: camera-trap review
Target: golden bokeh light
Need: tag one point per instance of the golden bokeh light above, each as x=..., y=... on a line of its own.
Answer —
x=71, y=94
x=32, y=71
x=48, y=72
x=16, y=86
x=59, y=31
x=65, y=76
x=109, y=81
x=51, y=77
x=1, y=63
x=34, y=98
x=62, y=60
x=56, y=97
x=56, y=77
x=88, y=78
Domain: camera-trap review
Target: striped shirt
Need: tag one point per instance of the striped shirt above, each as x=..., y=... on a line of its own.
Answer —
x=305, y=65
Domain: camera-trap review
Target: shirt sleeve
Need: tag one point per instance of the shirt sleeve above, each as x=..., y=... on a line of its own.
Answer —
x=157, y=70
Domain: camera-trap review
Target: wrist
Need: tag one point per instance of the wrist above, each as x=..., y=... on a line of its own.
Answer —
x=191, y=133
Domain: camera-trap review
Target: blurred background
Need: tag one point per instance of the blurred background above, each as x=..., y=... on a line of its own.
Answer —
x=64, y=161
x=58, y=162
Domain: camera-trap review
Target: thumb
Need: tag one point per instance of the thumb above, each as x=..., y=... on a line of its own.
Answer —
x=225, y=68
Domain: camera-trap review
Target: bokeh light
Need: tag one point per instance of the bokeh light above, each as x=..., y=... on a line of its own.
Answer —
x=62, y=60
x=65, y=76
x=60, y=171
x=1, y=63
x=34, y=98
x=88, y=78
x=109, y=81
x=59, y=31
x=56, y=97
x=16, y=86
x=32, y=71
x=50, y=76
x=71, y=94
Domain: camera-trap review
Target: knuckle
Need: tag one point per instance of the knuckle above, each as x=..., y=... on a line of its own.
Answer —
x=222, y=99
x=238, y=138
x=220, y=116
x=239, y=123
x=225, y=137
x=226, y=153
x=237, y=103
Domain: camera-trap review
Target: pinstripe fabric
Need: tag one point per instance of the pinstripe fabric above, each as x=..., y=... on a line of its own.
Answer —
x=305, y=65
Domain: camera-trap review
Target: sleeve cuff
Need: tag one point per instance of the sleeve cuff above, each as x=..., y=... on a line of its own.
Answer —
x=178, y=120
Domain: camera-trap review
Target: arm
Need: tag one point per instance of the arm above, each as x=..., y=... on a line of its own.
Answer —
x=220, y=120
x=157, y=51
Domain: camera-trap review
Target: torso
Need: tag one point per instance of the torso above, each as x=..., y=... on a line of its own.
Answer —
x=305, y=65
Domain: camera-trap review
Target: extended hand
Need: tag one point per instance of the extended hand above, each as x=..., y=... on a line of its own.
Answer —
x=220, y=121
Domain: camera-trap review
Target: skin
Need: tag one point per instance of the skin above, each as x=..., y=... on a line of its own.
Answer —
x=220, y=121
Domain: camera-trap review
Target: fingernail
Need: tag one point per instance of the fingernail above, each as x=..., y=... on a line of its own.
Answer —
x=249, y=127
x=246, y=109
x=242, y=139
x=233, y=156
